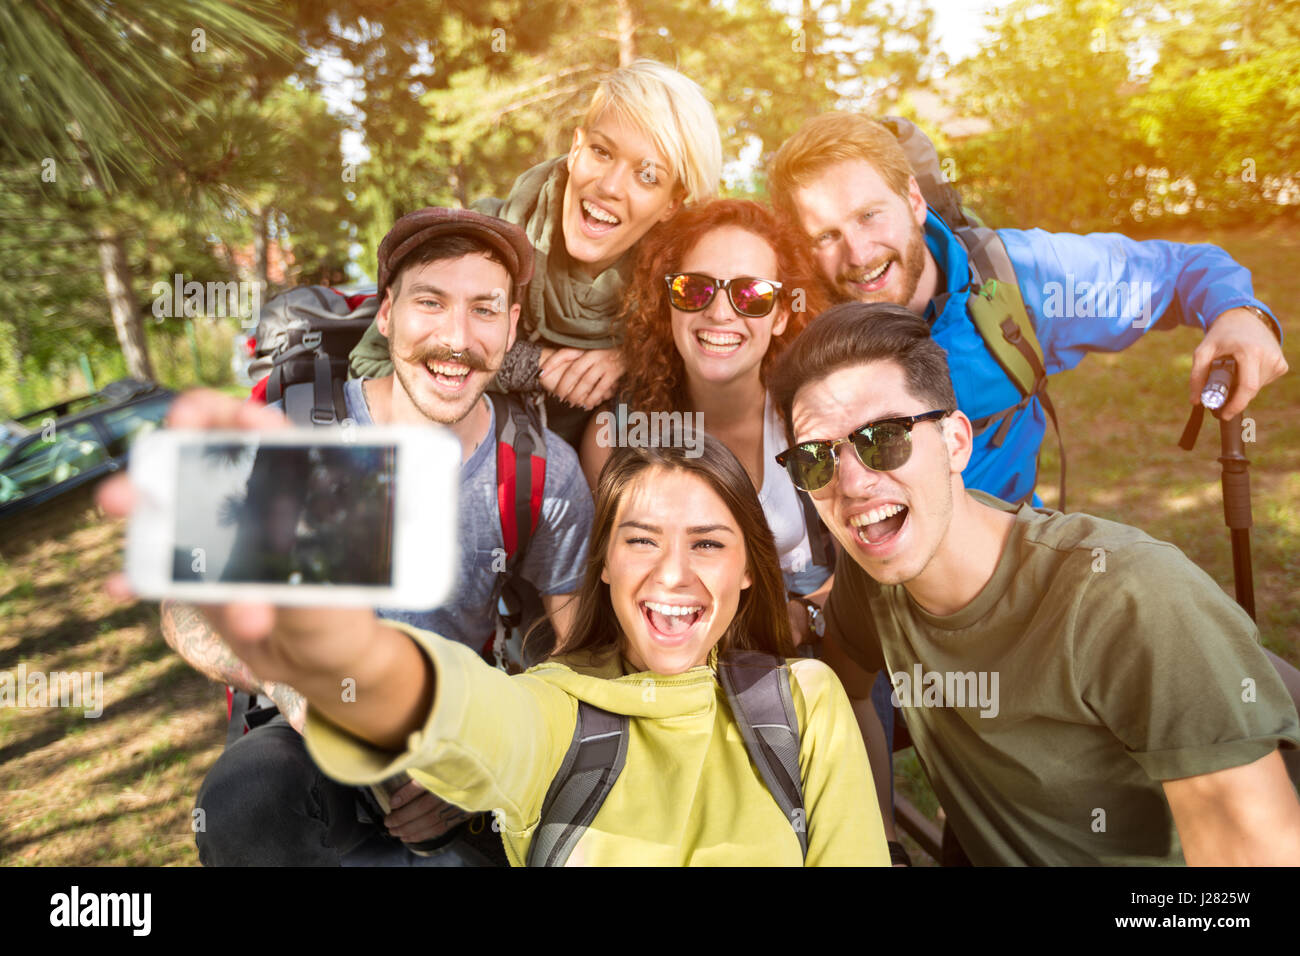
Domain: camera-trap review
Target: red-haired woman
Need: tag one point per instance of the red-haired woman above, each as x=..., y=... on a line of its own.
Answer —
x=717, y=293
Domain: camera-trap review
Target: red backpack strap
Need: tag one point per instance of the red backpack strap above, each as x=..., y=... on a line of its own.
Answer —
x=521, y=481
x=521, y=472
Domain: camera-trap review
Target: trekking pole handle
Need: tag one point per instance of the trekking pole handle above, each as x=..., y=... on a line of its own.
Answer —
x=1218, y=384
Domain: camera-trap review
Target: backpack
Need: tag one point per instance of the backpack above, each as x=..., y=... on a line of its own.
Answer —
x=995, y=306
x=757, y=687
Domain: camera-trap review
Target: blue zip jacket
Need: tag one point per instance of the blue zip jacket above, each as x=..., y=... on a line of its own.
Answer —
x=1094, y=293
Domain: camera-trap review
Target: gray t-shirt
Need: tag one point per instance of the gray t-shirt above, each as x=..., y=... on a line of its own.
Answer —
x=557, y=552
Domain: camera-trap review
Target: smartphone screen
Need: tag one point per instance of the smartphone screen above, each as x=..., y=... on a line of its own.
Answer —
x=295, y=515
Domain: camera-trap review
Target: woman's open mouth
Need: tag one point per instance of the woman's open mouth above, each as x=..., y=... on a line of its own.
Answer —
x=878, y=528
x=671, y=623
x=719, y=343
x=596, y=220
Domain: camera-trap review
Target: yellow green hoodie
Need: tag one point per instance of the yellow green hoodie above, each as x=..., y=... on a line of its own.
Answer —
x=688, y=794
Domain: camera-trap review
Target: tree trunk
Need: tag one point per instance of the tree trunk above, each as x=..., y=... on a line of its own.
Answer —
x=122, y=304
x=629, y=18
x=113, y=268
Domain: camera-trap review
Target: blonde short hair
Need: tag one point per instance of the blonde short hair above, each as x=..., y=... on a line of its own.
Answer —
x=829, y=139
x=674, y=112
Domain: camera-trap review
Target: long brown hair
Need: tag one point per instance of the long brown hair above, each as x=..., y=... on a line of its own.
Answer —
x=660, y=384
x=761, y=621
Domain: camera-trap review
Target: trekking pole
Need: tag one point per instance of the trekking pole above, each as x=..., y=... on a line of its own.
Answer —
x=1235, y=478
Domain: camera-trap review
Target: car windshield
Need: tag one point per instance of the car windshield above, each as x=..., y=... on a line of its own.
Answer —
x=49, y=460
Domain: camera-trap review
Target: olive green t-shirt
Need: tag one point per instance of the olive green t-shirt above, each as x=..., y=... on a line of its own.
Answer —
x=1095, y=663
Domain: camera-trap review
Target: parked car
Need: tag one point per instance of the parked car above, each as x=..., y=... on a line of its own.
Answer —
x=50, y=452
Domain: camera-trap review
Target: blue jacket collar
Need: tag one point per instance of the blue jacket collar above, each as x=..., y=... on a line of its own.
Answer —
x=954, y=269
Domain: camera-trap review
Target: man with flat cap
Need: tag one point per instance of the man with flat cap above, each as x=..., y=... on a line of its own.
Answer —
x=451, y=282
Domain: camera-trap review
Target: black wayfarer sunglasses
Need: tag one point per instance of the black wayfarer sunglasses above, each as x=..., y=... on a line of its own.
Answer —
x=881, y=446
x=750, y=296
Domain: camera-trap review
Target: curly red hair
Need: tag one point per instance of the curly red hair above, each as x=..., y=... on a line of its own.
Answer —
x=655, y=375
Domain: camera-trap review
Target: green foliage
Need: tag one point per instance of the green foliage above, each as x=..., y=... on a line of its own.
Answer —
x=1225, y=116
x=1105, y=114
x=81, y=73
x=180, y=132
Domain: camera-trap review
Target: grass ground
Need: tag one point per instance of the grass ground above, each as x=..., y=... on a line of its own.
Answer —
x=119, y=789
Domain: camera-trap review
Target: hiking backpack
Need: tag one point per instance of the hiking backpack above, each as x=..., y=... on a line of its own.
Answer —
x=757, y=687
x=996, y=307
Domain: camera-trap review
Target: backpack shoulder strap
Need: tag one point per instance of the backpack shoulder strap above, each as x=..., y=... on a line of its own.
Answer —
x=820, y=541
x=318, y=402
x=987, y=254
x=587, y=774
x=757, y=686
x=998, y=311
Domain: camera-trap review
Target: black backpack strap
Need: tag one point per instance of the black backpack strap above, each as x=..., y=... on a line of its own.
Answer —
x=757, y=686
x=820, y=541
x=593, y=763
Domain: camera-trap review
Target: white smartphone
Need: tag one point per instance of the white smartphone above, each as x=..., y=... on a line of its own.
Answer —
x=303, y=516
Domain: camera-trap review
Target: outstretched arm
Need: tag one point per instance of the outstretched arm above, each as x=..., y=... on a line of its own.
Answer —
x=1103, y=292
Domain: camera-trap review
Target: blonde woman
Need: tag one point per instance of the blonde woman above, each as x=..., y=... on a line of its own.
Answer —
x=648, y=143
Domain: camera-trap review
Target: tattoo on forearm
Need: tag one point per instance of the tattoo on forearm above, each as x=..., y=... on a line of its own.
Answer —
x=187, y=632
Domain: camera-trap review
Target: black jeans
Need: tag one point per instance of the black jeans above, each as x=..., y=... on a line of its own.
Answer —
x=266, y=803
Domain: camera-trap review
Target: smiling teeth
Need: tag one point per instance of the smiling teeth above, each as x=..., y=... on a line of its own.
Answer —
x=673, y=610
x=595, y=212
x=720, y=338
x=875, y=275
x=874, y=515
x=455, y=371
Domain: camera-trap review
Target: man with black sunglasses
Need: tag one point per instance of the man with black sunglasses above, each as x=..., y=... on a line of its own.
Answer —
x=1079, y=692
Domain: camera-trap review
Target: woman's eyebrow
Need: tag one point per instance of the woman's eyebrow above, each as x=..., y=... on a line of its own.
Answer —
x=642, y=526
x=698, y=529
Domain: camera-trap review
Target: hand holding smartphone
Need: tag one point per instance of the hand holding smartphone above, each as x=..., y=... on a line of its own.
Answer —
x=310, y=648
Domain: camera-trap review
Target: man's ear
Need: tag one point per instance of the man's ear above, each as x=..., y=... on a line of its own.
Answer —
x=916, y=200
x=959, y=437
x=515, y=311
x=382, y=318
